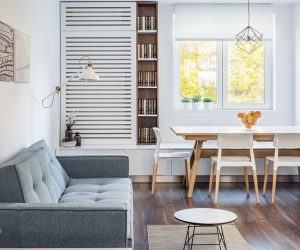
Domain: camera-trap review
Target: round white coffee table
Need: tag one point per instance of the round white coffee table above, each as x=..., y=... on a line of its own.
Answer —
x=204, y=217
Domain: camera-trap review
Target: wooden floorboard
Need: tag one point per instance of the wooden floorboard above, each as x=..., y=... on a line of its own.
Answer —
x=264, y=226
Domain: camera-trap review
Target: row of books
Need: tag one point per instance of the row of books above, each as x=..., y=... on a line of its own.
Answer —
x=147, y=78
x=147, y=106
x=146, y=135
x=146, y=23
x=147, y=51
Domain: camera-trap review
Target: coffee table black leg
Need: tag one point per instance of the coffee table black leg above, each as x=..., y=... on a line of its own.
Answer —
x=193, y=235
x=187, y=238
x=219, y=236
x=223, y=237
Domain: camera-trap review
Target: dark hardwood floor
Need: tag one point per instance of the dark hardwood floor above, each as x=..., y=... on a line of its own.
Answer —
x=264, y=226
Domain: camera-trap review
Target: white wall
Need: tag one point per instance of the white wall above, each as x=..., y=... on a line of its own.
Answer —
x=296, y=9
x=22, y=119
x=283, y=79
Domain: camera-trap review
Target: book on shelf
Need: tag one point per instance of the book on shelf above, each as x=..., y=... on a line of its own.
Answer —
x=146, y=23
x=147, y=78
x=147, y=106
x=146, y=135
x=147, y=51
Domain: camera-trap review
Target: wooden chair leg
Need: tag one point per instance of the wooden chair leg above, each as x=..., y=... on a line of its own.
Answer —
x=217, y=184
x=154, y=174
x=266, y=173
x=187, y=172
x=211, y=177
x=274, y=185
x=255, y=185
x=246, y=180
x=183, y=180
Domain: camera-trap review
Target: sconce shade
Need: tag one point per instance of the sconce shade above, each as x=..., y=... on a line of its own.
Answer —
x=88, y=74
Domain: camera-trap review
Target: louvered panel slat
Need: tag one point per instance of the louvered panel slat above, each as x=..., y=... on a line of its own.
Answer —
x=103, y=122
x=98, y=16
x=97, y=88
x=105, y=108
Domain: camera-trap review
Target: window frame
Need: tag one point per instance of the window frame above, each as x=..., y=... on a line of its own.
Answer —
x=222, y=78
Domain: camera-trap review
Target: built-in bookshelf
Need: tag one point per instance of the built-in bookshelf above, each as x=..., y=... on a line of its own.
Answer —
x=147, y=68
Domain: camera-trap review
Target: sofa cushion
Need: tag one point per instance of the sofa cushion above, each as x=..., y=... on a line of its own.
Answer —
x=58, y=173
x=36, y=180
x=103, y=191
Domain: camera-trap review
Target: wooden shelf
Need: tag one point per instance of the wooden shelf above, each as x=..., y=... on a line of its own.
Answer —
x=147, y=31
x=147, y=13
x=147, y=87
x=147, y=115
x=147, y=59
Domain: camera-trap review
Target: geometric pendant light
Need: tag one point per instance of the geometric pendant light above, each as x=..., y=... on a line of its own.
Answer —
x=249, y=39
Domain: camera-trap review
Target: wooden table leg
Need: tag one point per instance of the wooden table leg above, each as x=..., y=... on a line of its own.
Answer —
x=195, y=160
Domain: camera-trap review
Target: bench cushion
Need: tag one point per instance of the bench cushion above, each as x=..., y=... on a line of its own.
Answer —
x=106, y=191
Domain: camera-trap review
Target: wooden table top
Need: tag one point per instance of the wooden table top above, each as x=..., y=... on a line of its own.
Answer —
x=205, y=216
x=215, y=130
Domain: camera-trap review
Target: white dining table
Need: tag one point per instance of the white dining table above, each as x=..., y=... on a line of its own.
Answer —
x=199, y=134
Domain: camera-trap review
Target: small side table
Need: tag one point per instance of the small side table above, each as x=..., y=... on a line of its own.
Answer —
x=204, y=217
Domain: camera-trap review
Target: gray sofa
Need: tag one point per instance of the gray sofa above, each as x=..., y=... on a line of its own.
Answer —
x=83, y=201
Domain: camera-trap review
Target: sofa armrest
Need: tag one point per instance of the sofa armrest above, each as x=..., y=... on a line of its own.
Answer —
x=63, y=225
x=95, y=166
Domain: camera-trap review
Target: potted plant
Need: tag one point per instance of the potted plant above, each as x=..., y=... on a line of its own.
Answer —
x=196, y=102
x=186, y=101
x=69, y=124
x=207, y=103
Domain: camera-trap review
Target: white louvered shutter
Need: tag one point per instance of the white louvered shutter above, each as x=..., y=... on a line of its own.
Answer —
x=105, y=108
x=98, y=16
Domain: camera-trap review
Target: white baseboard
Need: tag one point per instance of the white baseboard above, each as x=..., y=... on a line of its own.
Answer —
x=205, y=178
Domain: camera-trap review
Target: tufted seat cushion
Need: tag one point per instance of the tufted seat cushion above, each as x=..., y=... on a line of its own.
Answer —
x=106, y=191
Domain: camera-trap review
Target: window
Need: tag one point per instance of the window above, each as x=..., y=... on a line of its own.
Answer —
x=219, y=70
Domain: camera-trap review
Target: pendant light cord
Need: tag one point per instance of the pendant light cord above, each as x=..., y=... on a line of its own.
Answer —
x=248, y=12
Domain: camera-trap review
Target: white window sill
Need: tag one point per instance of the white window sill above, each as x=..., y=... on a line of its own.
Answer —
x=180, y=110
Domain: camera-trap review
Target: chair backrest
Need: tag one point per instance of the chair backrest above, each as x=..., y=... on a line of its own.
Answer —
x=158, y=141
x=235, y=141
x=287, y=141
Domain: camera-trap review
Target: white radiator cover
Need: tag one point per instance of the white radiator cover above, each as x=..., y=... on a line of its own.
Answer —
x=105, y=32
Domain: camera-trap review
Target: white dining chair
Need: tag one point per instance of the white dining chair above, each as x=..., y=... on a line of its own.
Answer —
x=281, y=141
x=186, y=156
x=233, y=141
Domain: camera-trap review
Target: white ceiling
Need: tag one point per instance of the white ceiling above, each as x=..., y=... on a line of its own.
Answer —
x=230, y=1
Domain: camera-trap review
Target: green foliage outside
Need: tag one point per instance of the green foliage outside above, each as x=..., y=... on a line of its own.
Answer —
x=198, y=72
x=196, y=59
x=246, y=75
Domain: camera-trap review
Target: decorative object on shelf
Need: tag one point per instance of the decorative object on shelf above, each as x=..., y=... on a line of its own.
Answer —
x=69, y=124
x=147, y=78
x=147, y=106
x=146, y=135
x=249, y=119
x=77, y=137
x=249, y=39
x=146, y=23
x=86, y=74
x=69, y=144
x=196, y=102
x=14, y=55
x=207, y=103
x=147, y=51
x=186, y=102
